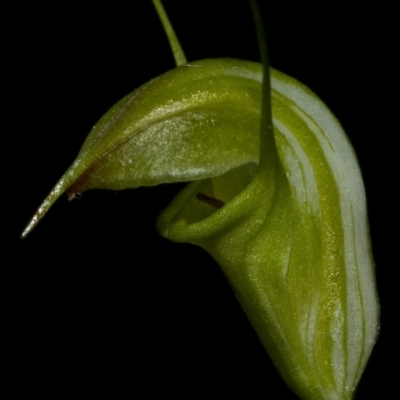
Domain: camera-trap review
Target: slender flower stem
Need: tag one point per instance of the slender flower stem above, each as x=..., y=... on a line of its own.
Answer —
x=267, y=139
x=179, y=55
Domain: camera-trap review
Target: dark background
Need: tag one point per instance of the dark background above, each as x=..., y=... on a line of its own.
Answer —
x=94, y=296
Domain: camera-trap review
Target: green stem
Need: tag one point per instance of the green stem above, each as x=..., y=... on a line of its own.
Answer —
x=179, y=55
x=267, y=139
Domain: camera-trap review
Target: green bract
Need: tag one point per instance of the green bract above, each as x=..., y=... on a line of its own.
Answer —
x=290, y=231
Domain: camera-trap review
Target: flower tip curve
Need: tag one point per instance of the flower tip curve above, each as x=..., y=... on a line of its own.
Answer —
x=62, y=186
x=40, y=212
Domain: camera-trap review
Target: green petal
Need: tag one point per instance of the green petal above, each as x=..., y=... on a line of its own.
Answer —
x=294, y=246
x=193, y=122
x=292, y=239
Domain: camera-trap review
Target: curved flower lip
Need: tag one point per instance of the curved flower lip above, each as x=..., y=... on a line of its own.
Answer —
x=220, y=219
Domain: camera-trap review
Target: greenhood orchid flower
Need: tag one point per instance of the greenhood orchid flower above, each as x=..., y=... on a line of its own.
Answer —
x=283, y=213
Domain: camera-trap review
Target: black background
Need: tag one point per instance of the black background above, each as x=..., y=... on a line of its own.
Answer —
x=94, y=296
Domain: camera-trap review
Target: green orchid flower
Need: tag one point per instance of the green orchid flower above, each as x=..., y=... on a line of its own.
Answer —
x=276, y=197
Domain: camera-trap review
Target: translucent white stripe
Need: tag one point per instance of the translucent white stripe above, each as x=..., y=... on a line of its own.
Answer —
x=360, y=290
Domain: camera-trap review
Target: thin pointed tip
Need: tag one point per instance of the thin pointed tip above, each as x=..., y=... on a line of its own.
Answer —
x=36, y=218
x=29, y=228
x=62, y=186
x=57, y=191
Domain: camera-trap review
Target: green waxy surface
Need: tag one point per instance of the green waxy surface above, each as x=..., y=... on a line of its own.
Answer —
x=292, y=235
x=294, y=246
x=173, y=128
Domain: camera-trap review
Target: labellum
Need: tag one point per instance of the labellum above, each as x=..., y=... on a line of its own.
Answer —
x=276, y=197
